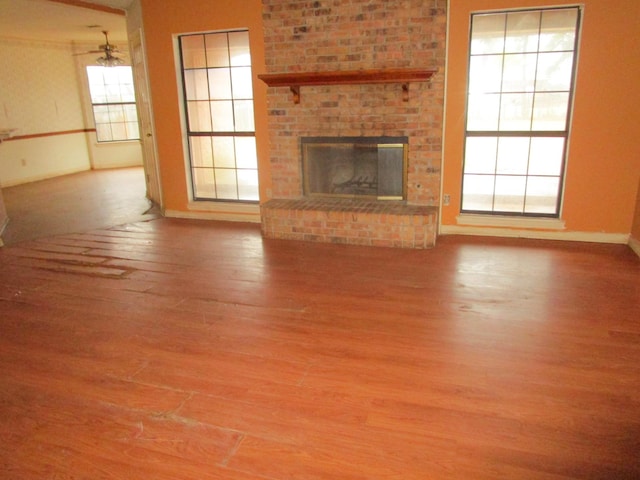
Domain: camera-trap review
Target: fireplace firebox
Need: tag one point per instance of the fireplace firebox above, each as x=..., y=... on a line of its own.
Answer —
x=355, y=167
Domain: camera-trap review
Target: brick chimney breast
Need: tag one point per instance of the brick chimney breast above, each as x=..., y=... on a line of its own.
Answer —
x=352, y=35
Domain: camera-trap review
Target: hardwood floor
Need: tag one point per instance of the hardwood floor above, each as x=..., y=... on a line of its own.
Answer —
x=174, y=349
x=76, y=203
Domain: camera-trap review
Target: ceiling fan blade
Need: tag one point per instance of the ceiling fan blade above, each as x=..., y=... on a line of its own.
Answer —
x=107, y=49
x=88, y=52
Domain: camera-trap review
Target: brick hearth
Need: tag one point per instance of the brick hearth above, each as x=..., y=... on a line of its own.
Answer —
x=378, y=224
x=352, y=35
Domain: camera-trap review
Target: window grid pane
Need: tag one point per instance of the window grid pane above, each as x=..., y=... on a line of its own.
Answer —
x=521, y=74
x=218, y=94
x=113, y=103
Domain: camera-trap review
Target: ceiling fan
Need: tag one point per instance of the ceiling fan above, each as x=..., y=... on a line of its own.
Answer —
x=109, y=52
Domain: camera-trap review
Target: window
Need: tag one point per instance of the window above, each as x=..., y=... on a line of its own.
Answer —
x=114, y=103
x=218, y=92
x=521, y=78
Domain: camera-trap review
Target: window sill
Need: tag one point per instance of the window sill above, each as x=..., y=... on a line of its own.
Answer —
x=218, y=206
x=226, y=211
x=510, y=222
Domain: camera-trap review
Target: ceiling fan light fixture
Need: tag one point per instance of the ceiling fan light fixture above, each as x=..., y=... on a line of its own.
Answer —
x=109, y=61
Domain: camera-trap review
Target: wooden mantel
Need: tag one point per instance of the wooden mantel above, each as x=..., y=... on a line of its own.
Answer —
x=295, y=80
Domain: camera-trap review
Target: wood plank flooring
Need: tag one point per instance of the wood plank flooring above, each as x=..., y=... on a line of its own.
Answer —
x=175, y=349
x=76, y=203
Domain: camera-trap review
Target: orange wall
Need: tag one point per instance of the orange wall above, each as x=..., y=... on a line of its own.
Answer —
x=162, y=21
x=604, y=159
x=604, y=153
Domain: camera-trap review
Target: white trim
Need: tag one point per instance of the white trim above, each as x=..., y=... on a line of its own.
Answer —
x=511, y=222
x=594, y=237
x=572, y=96
x=232, y=212
x=45, y=176
x=2, y=227
x=182, y=108
x=634, y=245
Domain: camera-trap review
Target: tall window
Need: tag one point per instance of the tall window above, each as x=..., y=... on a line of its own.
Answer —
x=521, y=76
x=114, y=103
x=218, y=94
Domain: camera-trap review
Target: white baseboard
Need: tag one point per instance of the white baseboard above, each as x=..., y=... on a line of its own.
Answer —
x=112, y=165
x=46, y=176
x=595, y=237
x=635, y=245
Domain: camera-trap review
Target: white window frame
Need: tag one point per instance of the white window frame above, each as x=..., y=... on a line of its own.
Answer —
x=238, y=132
x=491, y=134
x=118, y=106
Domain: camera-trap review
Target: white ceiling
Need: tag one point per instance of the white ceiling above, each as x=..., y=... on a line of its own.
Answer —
x=50, y=21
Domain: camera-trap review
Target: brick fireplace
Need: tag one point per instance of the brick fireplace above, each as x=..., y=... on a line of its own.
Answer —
x=381, y=47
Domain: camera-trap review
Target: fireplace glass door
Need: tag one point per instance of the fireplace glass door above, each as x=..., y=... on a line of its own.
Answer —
x=355, y=167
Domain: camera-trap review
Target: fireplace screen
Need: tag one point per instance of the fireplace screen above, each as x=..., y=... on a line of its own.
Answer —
x=355, y=167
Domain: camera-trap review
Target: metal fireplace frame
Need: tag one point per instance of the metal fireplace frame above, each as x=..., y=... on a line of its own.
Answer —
x=379, y=141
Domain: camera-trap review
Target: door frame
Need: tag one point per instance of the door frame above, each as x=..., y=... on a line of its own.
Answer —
x=145, y=118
